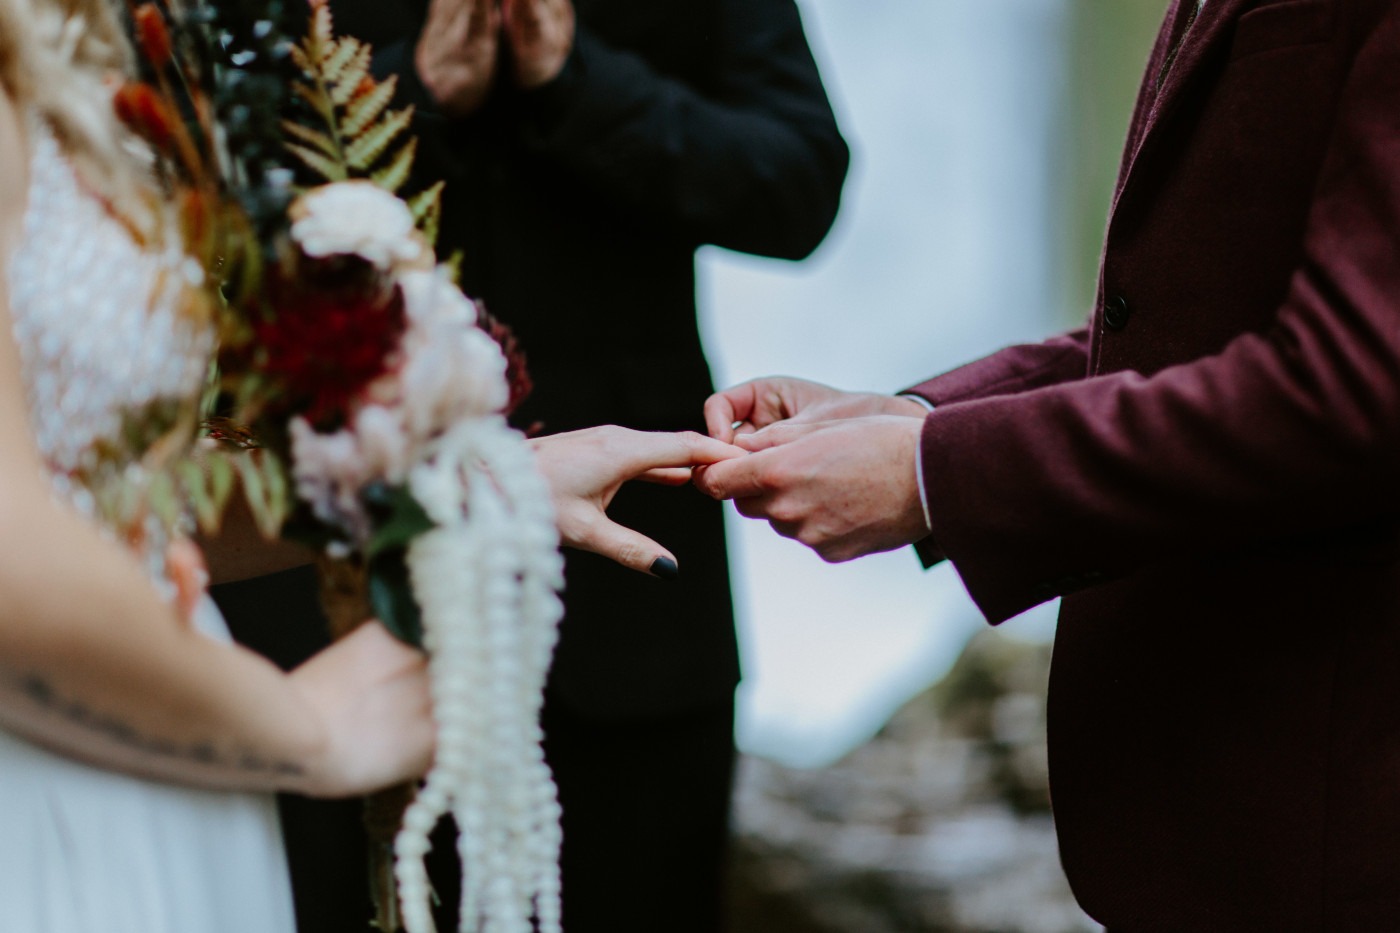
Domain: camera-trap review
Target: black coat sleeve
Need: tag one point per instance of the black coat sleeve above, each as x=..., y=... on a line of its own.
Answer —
x=753, y=162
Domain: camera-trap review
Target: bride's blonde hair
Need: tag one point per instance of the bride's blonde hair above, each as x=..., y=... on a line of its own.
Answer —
x=59, y=60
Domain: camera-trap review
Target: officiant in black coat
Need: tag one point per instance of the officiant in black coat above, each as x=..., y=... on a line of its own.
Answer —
x=589, y=149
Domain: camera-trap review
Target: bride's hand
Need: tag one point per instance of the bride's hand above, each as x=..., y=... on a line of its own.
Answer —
x=185, y=567
x=586, y=468
x=371, y=694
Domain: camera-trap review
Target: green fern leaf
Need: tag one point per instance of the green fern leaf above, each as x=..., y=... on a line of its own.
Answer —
x=221, y=480
x=431, y=224
x=275, y=482
x=300, y=59
x=163, y=498
x=366, y=108
x=318, y=99
x=341, y=53
x=426, y=206
x=264, y=487
x=345, y=86
x=392, y=176
x=315, y=138
x=329, y=169
x=362, y=152
x=322, y=32
x=194, y=487
x=425, y=202
x=453, y=267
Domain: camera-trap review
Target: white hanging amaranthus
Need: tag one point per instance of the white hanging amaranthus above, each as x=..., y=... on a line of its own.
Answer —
x=486, y=577
x=486, y=580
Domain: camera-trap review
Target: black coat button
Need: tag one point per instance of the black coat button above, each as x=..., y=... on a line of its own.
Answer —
x=1116, y=313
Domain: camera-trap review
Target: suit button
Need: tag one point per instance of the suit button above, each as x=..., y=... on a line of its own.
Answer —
x=1116, y=313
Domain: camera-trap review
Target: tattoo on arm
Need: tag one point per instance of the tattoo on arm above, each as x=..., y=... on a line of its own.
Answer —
x=43, y=695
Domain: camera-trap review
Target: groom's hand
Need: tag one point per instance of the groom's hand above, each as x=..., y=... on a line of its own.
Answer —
x=843, y=488
x=753, y=406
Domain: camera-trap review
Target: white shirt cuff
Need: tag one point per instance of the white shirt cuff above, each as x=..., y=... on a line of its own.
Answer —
x=917, y=398
x=919, y=463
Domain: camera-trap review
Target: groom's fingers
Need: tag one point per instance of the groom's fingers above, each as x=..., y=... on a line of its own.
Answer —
x=748, y=407
x=776, y=435
x=722, y=412
x=732, y=479
x=756, y=404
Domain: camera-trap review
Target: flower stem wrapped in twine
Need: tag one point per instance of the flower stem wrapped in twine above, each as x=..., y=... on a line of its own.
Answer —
x=345, y=601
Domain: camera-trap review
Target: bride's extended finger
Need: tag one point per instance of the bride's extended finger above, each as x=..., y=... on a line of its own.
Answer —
x=646, y=451
x=666, y=476
x=631, y=549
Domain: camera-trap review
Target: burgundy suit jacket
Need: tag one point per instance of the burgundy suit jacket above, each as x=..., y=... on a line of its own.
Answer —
x=1211, y=471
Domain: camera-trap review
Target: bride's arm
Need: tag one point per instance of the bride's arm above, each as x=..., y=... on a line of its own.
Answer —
x=94, y=665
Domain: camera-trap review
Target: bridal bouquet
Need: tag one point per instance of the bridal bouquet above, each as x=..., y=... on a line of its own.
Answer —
x=363, y=409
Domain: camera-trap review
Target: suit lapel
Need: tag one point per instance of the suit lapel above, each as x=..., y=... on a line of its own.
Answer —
x=1198, y=43
x=1195, y=46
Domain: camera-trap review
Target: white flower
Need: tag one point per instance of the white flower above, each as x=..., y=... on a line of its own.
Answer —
x=431, y=296
x=451, y=369
x=356, y=217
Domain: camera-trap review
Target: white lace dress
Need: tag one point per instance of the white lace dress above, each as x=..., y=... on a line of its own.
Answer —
x=84, y=850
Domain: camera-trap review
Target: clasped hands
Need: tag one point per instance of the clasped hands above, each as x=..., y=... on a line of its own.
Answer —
x=834, y=470
x=459, y=49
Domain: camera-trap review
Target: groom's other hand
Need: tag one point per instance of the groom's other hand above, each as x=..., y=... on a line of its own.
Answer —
x=457, y=53
x=541, y=35
x=843, y=488
x=755, y=405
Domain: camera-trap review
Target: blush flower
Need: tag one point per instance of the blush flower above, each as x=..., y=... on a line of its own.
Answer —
x=329, y=470
x=451, y=369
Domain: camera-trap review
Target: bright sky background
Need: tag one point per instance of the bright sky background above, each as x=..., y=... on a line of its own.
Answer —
x=941, y=254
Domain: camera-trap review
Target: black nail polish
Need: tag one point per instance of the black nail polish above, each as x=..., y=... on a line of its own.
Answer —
x=665, y=569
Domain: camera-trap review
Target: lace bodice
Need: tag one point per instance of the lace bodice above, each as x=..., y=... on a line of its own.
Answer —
x=97, y=317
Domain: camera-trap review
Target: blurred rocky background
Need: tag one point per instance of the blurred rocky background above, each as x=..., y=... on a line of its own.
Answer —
x=940, y=824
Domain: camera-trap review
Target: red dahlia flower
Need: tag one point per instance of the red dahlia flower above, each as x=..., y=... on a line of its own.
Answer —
x=517, y=367
x=324, y=346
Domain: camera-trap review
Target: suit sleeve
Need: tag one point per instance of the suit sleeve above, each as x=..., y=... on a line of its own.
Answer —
x=1014, y=369
x=753, y=162
x=1287, y=434
x=1006, y=372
